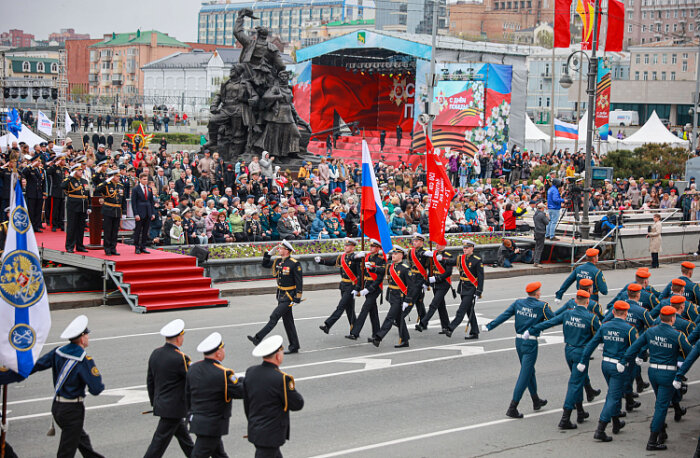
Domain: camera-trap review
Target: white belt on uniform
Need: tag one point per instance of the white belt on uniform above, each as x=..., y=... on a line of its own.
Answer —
x=62, y=399
x=663, y=367
x=520, y=336
x=611, y=360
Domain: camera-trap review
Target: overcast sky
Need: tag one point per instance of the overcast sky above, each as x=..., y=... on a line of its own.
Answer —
x=177, y=18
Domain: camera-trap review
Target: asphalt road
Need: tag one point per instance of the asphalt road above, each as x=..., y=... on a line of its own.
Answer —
x=440, y=397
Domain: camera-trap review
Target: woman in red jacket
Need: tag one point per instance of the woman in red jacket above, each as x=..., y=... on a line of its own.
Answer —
x=509, y=218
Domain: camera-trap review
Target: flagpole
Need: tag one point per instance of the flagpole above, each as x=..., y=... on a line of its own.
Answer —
x=4, y=421
x=362, y=227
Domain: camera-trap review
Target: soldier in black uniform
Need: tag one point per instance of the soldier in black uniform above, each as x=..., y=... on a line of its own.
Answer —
x=167, y=373
x=3, y=230
x=68, y=410
x=209, y=389
x=34, y=192
x=350, y=271
x=6, y=175
x=269, y=396
x=441, y=280
x=371, y=289
x=56, y=173
x=419, y=273
x=290, y=283
x=113, y=207
x=397, y=277
x=99, y=174
x=77, y=204
x=471, y=285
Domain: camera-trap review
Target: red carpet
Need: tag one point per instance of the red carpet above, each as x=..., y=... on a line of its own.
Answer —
x=160, y=280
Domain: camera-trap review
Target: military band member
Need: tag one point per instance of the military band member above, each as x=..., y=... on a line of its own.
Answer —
x=586, y=270
x=471, y=286
x=269, y=396
x=441, y=281
x=350, y=264
x=616, y=336
x=56, y=172
x=113, y=207
x=167, y=374
x=209, y=390
x=77, y=205
x=375, y=268
x=647, y=298
x=579, y=326
x=290, y=284
x=528, y=312
x=397, y=278
x=666, y=346
x=691, y=290
x=419, y=269
x=72, y=372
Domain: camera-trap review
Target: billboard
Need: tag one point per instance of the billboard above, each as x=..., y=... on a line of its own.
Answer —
x=459, y=103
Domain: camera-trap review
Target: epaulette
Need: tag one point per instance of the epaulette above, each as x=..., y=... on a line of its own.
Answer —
x=477, y=257
x=292, y=259
x=405, y=265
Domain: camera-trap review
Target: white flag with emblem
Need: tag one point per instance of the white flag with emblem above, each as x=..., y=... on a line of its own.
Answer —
x=25, y=319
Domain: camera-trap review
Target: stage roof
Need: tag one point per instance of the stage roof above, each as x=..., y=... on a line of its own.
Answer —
x=416, y=45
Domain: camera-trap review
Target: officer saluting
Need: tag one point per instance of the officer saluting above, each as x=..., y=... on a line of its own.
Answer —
x=350, y=264
x=77, y=204
x=371, y=289
x=290, y=283
x=72, y=371
x=586, y=270
x=167, y=373
x=397, y=276
x=113, y=207
x=471, y=285
x=441, y=280
x=269, y=396
x=209, y=389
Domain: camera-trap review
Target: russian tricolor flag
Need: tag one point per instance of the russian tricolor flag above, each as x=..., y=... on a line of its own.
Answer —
x=374, y=224
x=565, y=130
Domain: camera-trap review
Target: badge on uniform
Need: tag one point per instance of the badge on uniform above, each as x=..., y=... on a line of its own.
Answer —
x=95, y=371
x=285, y=270
x=290, y=384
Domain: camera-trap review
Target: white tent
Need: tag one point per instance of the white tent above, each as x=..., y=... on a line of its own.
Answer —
x=25, y=135
x=535, y=140
x=653, y=131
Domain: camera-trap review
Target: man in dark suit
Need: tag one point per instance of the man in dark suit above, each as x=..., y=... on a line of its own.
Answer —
x=143, y=205
x=167, y=372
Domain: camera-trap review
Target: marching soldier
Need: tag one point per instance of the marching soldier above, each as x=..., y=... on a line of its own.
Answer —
x=690, y=311
x=593, y=306
x=397, y=276
x=616, y=336
x=586, y=270
x=691, y=289
x=113, y=207
x=290, y=284
x=35, y=192
x=209, y=389
x=72, y=372
x=647, y=298
x=269, y=396
x=419, y=283
x=680, y=375
x=471, y=285
x=167, y=374
x=666, y=346
x=57, y=173
x=375, y=268
x=350, y=273
x=579, y=326
x=441, y=282
x=528, y=312
x=77, y=204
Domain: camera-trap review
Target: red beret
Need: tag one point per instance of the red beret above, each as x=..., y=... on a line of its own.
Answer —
x=586, y=282
x=634, y=287
x=582, y=293
x=668, y=310
x=677, y=299
x=678, y=282
x=532, y=287
x=591, y=252
x=643, y=273
x=688, y=265
x=621, y=305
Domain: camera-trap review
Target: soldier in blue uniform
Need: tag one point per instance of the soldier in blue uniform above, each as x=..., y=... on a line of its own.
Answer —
x=680, y=375
x=579, y=326
x=616, y=336
x=441, y=281
x=471, y=286
x=73, y=370
x=371, y=289
x=350, y=264
x=290, y=283
x=666, y=345
x=691, y=289
x=647, y=299
x=690, y=311
x=586, y=284
x=528, y=312
x=586, y=270
x=397, y=276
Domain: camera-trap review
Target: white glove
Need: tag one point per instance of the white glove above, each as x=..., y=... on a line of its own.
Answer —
x=317, y=259
x=360, y=254
x=439, y=257
x=364, y=292
x=368, y=265
x=679, y=364
x=677, y=384
x=581, y=367
x=620, y=368
x=425, y=287
x=273, y=251
x=526, y=335
x=428, y=253
x=404, y=306
x=484, y=328
x=431, y=279
x=638, y=361
x=556, y=301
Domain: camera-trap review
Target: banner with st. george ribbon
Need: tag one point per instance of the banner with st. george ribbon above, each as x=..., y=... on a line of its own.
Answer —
x=440, y=191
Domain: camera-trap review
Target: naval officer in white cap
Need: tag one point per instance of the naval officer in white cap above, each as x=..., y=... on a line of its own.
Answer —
x=167, y=372
x=209, y=390
x=72, y=371
x=270, y=395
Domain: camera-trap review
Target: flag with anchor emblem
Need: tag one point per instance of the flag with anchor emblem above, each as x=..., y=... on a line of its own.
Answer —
x=25, y=319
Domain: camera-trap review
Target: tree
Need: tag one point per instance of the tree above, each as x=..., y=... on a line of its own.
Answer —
x=545, y=38
x=663, y=159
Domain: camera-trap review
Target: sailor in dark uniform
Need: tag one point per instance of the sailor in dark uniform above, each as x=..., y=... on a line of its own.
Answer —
x=72, y=371
x=56, y=173
x=441, y=280
x=419, y=273
x=209, y=389
x=290, y=283
x=113, y=207
x=397, y=278
x=167, y=373
x=77, y=204
x=349, y=263
x=269, y=396
x=371, y=289
x=471, y=286
x=35, y=192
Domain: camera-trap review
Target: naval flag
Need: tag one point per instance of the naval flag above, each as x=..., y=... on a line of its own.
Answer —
x=25, y=319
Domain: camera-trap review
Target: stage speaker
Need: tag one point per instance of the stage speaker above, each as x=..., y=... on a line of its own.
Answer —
x=202, y=254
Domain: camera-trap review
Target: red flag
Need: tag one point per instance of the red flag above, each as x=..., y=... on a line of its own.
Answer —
x=562, y=23
x=440, y=191
x=616, y=26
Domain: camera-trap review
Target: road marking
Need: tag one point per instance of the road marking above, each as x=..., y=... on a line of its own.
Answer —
x=454, y=430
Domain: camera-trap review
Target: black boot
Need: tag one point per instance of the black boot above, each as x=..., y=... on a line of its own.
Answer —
x=697, y=450
x=590, y=392
x=654, y=444
x=641, y=384
x=662, y=435
x=513, y=410
x=581, y=414
x=630, y=403
x=678, y=411
x=565, y=422
x=600, y=432
x=538, y=403
x=617, y=425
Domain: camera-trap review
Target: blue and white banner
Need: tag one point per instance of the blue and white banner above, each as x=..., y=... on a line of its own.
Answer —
x=25, y=319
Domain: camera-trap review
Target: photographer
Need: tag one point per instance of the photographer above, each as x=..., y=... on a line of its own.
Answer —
x=610, y=222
